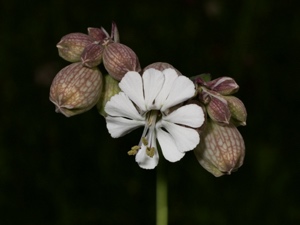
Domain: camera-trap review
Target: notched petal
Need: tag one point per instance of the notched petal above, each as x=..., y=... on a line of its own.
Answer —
x=185, y=138
x=132, y=86
x=182, y=89
x=168, y=147
x=153, y=81
x=190, y=115
x=145, y=161
x=120, y=105
x=119, y=126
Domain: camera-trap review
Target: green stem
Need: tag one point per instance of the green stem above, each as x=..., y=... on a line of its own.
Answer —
x=161, y=196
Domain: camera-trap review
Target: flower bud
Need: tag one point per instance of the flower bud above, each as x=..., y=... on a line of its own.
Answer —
x=76, y=89
x=218, y=109
x=110, y=88
x=161, y=66
x=223, y=85
x=98, y=34
x=203, y=95
x=237, y=110
x=221, y=150
x=92, y=55
x=118, y=59
x=72, y=45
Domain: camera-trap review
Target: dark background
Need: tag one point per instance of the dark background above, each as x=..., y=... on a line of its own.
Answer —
x=69, y=171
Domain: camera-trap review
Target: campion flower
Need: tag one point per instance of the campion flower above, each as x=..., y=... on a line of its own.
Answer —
x=153, y=100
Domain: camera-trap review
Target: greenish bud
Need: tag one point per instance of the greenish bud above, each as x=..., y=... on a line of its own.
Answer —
x=110, y=88
x=237, y=109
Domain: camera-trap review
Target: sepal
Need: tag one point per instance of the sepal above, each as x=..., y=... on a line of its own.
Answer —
x=221, y=150
x=71, y=46
x=76, y=89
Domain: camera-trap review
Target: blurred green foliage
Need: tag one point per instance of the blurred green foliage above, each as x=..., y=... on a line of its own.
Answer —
x=69, y=171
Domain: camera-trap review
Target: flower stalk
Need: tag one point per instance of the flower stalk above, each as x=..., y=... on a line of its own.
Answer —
x=161, y=196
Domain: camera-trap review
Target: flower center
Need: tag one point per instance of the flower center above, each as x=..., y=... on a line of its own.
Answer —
x=148, y=139
x=151, y=117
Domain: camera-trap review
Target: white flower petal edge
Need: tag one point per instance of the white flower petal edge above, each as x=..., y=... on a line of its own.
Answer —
x=185, y=138
x=144, y=160
x=190, y=115
x=119, y=126
x=120, y=105
x=132, y=85
x=153, y=81
x=170, y=76
x=182, y=89
x=168, y=147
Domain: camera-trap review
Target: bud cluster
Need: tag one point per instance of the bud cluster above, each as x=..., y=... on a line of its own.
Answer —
x=97, y=46
x=79, y=86
x=222, y=148
x=221, y=106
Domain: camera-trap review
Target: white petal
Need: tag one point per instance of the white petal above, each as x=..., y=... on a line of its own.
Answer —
x=183, y=89
x=170, y=76
x=118, y=126
x=145, y=161
x=185, y=139
x=153, y=81
x=168, y=146
x=120, y=105
x=190, y=115
x=132, y=85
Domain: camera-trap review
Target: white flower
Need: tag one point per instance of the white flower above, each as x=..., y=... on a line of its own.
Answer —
x=146, y=101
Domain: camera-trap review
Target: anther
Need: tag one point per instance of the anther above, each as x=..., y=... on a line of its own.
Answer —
x=134, y=150
x=150, y=151
x=144, y=141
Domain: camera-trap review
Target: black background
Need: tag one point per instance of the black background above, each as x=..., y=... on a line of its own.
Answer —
x=69, y=171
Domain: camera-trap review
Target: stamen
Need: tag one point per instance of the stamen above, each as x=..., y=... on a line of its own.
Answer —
x=152, y=117
x=150, y=151
x=134, y=150
x=149, y=132
x=145, y=141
